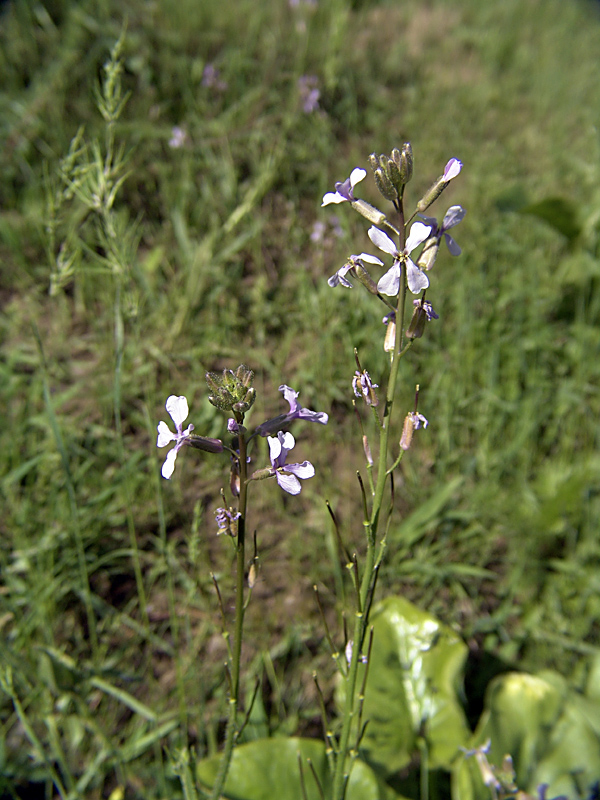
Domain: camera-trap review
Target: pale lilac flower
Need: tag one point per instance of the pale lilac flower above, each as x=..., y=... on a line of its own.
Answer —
x=452, y=217
x=339, y=277
x=389, y=284
x=296, y=412
x=178, y=410
x=308, y=86
x=211, y=78
x=178, y=137
x=287, y=474
x=344, y=192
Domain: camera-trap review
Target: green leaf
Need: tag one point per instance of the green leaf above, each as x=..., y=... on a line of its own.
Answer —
x=411, y=698
x=270, y=768
x=540, y=723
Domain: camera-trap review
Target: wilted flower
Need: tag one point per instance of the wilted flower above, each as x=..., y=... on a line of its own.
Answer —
x=226, y=520
x=353, y=263
x=344, y=192
x=364, y=387
x=178, y=410
x=389, y=284
x=287, y=474
x=423, y=313
x=412, y=422
x=296, y=412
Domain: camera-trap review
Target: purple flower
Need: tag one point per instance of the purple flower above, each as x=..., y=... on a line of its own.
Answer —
x=178, y=137
x=344, y=192
x=226, y=520
x=287, y=474
x=309, y=92
x=452, y=217
x=296, y=412
x=340, y=276
x=389, y=284
x=211, y=78
x=178, y=410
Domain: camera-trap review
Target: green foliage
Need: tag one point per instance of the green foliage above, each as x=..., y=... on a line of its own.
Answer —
x=200, y=257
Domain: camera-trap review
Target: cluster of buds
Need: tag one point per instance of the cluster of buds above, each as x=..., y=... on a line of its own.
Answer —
x=232, y=391
x=393, y=172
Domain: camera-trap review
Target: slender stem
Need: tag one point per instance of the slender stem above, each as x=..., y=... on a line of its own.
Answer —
x=234, y=695
x=372, y=524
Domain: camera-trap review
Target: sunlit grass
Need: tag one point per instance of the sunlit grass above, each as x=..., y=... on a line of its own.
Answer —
x=504, y=479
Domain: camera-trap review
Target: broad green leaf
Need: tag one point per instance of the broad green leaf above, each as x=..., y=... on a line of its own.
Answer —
x=269, y=769
x=540, y=723
x=411, y=698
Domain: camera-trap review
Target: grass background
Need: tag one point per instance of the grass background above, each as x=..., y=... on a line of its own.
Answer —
x=496, y=528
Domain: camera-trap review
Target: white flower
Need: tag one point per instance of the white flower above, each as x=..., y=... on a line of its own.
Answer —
x=178, y=411
x=344, y=191
x=389, y=284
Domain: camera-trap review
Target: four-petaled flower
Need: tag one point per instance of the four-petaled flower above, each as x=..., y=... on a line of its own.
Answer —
x=452, y=217
x=389, y=283
x=344, y=192
x=178, y=411
x=296, y=412
x=351, y=265
x=287, y=474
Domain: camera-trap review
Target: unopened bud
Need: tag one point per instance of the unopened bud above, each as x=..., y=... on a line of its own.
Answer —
x=385, y=185
x=371, y=213
x=262, y=474
x=406, y=162
x=394, y=172
x=202, y=443
x=429, y=253
x=373, y=161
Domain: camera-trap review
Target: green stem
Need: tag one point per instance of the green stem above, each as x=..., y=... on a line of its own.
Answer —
x=234, y=696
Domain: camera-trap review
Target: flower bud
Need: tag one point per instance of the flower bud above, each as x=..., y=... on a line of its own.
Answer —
x=374, y=215
x=262, y=474
x=394, y=173
x=429, y=253
x=232, y=391
x=406, y=162
x=373, y=161
x=384, y=185
x=364, y=277
x=202, y=443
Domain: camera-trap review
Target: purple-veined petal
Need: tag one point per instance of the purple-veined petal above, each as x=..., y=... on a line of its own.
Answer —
x=418, y=233
x=452, y=168
x=452, y=217
x=389, y=284
x=382, y=241
x=416, y=279
x=304, y=470
x=453, y=247
x=178, y=409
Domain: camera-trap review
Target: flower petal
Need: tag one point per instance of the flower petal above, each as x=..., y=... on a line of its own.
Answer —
x=416, y=279
x=289, y=483
x=164, y=434
x=418, y=233
x=169, y=465
x=304, y=470
x=333, y=197
x=290, y=395
x=370, y=259
x=382, y=241
x=452, y=168
x=178, y=409
x=452, y=217
x=453, y=247
x=357, y=175
x=389, y=283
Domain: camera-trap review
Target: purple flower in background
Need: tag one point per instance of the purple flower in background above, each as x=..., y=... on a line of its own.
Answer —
x=211, y=78
x=178, y=137
x=308, y=86
x=344, y=192
x=178, y=410
x=452, y=217
x=296, y=412
x=389, y=284
x=287, y=474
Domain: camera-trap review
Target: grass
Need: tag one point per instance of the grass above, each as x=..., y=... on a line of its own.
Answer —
x=109, y=620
